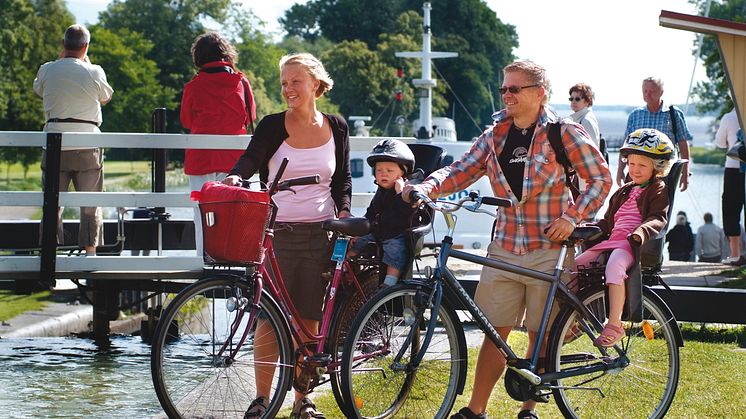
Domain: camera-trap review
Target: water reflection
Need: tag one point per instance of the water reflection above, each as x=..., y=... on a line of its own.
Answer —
x=75, y=378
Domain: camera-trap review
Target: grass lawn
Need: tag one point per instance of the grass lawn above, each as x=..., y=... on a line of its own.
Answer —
x=12, y=305
x=114, y=172
x=711, y=385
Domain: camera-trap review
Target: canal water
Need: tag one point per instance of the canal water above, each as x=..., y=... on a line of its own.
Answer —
x=75, y=378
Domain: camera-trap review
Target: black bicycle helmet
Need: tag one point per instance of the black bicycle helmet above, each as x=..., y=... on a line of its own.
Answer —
x=393, y=151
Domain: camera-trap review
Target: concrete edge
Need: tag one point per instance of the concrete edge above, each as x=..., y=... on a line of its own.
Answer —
x=63, y=325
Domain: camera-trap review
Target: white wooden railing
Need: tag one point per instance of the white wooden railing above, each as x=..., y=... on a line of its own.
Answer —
x=126, y=199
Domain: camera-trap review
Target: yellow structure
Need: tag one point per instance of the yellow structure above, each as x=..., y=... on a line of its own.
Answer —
x=731, y=37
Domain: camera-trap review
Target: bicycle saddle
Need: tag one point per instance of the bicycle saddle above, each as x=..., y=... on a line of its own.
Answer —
x=585, y=233
x=353, y=226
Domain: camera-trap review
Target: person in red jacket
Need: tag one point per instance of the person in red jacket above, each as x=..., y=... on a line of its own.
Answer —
x=216, y=101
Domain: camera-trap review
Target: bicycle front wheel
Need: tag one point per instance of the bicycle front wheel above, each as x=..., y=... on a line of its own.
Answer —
x=379, y=379
x=194, y=373
x=644, y=381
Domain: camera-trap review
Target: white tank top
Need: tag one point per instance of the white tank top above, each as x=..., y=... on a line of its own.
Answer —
x=309, y=203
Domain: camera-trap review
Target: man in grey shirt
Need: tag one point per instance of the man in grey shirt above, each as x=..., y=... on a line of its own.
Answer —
x=73, y=91
x=711, y=243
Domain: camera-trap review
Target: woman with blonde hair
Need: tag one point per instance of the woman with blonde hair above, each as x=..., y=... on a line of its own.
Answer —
x=314, y=143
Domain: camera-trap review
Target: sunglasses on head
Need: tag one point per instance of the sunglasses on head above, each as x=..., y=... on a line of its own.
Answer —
x=575, y=99
x=516, y=89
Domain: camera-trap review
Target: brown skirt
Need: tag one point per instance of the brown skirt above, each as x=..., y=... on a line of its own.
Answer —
x=303, y=254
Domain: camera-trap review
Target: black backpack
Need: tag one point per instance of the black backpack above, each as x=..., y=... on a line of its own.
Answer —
x=555, y=139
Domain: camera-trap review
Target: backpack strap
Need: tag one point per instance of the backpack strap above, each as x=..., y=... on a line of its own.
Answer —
x=555, y=140
x=672, y=113
x=247, y=100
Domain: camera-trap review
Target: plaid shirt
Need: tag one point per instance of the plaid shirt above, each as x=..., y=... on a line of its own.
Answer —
x=642, y=118
x=520, y=228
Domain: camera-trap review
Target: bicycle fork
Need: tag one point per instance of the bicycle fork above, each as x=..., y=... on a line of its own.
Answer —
x=432, y=300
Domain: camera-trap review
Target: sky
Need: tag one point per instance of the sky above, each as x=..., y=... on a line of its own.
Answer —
x=612, y=46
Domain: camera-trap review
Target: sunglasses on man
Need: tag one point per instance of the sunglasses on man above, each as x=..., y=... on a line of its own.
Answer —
x=516, y=89
x=575, y=99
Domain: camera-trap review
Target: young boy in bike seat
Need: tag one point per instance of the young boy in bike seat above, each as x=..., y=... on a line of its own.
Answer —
x=392, y=161
x=637, y=212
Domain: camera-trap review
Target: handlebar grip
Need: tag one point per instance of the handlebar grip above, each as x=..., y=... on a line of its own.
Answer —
x=414, y=196
x=496, y=202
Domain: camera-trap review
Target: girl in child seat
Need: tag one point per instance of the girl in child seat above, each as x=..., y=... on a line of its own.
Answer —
x=637, y=212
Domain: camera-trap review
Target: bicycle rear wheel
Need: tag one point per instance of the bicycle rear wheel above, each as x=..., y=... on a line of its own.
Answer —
x=642, y=386
x=193, y=379
x=374, y=385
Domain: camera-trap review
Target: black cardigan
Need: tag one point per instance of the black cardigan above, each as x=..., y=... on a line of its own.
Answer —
x=271, y=133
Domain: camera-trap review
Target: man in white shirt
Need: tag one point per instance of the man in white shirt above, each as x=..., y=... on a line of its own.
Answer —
x=73, y=91
x=733, y=187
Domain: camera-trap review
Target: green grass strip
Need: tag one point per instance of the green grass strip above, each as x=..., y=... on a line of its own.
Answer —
x=12, y=305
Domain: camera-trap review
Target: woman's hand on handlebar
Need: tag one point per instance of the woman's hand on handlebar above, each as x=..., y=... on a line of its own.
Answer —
x=344, y=214
x=232, y=180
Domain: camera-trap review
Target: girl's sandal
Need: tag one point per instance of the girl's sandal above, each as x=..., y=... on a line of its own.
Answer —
x=609, y=336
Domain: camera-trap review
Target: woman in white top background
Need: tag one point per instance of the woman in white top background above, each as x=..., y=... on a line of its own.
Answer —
x=581, y=103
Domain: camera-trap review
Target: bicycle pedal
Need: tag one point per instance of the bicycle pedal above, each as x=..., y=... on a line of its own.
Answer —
x=542, y=397
x=318, y=360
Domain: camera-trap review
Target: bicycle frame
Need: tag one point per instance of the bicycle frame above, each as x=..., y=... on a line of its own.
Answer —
x=276, y=288
x=443, y=274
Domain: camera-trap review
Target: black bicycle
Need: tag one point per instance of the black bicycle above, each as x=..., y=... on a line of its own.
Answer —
x=406, y=354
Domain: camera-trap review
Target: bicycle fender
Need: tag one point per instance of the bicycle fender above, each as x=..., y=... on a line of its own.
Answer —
x=649, y=293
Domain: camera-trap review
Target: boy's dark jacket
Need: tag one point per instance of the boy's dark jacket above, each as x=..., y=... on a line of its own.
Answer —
x=389, y=214
x=653, y=206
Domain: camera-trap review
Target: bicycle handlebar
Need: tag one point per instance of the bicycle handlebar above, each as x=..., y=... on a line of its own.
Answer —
x=305, y=180
x=449, y=207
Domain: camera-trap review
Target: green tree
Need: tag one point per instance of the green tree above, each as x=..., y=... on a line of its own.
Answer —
x=341, y=20
x=171, y=27
x=484, y=43
x=301, y=20
x=257, y=58
x=30, y=35
x=134, y=79
x=365, y=83
x=713, y=94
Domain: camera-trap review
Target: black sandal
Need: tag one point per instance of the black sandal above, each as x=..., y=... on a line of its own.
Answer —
x=257, y=408
x=527, y=414
x=466, y=413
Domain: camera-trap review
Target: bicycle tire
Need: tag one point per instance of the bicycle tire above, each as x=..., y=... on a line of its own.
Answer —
x=372, y=388
x=644, y=388
x=345, y=313
x=190, y=379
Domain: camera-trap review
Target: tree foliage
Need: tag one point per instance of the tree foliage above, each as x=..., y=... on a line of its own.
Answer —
x=134, y=78
x=468, y=27
x=713, y=94
x=171, y=27
x=28, y=38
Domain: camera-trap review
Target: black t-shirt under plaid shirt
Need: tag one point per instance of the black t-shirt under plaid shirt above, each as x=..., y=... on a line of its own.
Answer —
x=514, y=157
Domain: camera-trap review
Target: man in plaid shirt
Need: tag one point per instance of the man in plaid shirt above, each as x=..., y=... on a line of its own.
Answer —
x=521, y=164
x=655, y=115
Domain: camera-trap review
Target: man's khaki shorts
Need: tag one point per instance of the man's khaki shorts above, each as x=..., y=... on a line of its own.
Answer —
x=504, y=297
